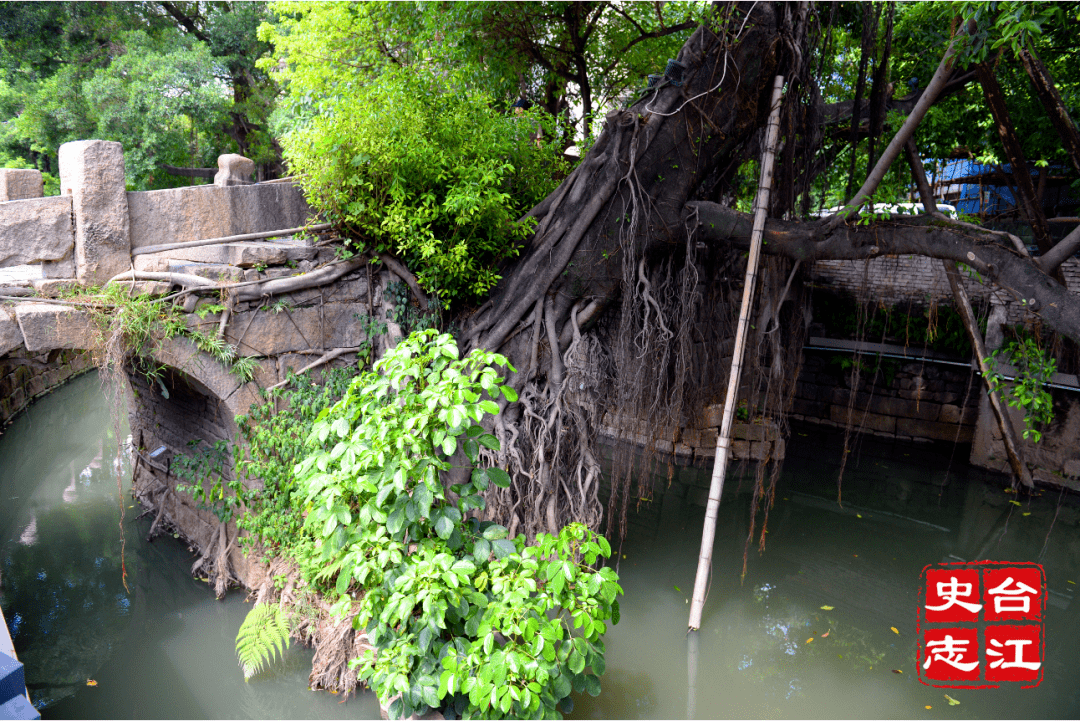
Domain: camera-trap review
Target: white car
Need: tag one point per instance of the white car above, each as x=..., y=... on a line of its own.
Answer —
x=893, y=209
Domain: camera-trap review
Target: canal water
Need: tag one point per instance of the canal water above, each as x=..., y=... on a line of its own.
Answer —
x=164, y=649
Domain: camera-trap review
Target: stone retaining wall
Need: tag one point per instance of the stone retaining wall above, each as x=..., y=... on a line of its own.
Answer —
x=923, y=401
x=26, y=375
x=695, y=442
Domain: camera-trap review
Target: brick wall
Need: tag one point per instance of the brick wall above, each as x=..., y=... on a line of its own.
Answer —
x=916, y=278
x=25, y=376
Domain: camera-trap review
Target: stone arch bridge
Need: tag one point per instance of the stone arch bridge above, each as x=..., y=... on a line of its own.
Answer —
x=292, y=305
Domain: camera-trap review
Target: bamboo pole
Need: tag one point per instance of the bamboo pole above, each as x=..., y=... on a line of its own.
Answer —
x=723, y=438
x=963, y=304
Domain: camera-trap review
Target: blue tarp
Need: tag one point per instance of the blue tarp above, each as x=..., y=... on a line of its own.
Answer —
x=997, y=199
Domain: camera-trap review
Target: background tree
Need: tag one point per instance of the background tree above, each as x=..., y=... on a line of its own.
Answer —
x=175, y=83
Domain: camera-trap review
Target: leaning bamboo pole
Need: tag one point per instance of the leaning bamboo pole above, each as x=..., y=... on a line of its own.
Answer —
x=723, y=438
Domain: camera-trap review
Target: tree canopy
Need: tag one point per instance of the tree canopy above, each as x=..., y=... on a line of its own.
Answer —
x=174, y=82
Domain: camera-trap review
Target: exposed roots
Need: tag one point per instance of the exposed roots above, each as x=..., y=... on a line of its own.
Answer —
x=333, y=638
x=557, y=478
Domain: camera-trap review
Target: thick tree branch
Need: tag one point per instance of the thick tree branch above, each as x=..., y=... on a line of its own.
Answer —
x=897, y=143
x=1061, y=252
x=903, y=235
x=1048, y=94
x=1029, y=207
x=187, y=23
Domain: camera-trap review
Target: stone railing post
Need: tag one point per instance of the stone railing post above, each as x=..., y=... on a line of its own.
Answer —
x=92, y=173
x=19, y=184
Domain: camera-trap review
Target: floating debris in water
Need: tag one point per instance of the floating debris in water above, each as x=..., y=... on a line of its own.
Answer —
x=826, y=608
x=893, y=628
x=91, y=682
x=951, y=700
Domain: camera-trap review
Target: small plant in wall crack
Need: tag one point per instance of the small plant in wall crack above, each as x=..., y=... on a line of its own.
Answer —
x=1029, y=390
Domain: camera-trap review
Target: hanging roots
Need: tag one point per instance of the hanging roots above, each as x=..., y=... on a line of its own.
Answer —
x=558, y=480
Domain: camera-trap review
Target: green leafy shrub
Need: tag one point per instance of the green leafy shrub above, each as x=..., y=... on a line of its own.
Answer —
x=461, y=617
x=276, y=436
x=411, y=163
x=1034, y=369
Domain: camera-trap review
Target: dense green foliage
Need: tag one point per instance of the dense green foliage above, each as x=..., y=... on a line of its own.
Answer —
x=175, y=83
x=960, y=124
x=275, y=437
x=412, y=165
x=461, y=616
x=397, y=116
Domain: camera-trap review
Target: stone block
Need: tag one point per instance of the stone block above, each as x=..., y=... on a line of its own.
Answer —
x=864, y=420
x=245, y=254
x=202, y=212
x=211, y=271
x=760, y=450
x=20, y=184
x=934, y=430
x=45, y=327
x=11, y=336
x=952, y=414
x=36, y=386
x=711, y=415
x=55, y=287
x=1072, y=468
x=92, y=175
x=740, y=449
x=780, y=449
x=234, y=169
x=63, y=268
x=313, y=328
x=32, y=231
x=747, y=431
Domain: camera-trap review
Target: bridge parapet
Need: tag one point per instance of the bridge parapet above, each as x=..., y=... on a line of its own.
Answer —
x=89, y=231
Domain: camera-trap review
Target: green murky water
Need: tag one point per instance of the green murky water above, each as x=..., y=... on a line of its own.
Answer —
x=162, y=650
x=904, y=507
x=165, y=650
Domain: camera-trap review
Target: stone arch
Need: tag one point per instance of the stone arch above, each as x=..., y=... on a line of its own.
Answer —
x=193, y=405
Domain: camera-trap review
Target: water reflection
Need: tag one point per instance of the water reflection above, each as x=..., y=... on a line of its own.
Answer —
x=808, y=632
x=163, y=650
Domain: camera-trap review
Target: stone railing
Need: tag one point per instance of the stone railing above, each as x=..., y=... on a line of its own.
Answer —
x=88, y=232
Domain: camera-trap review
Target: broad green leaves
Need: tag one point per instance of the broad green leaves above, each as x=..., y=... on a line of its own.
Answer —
x=461, y=616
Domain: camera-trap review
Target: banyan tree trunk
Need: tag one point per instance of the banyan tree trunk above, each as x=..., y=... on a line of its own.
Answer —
x=615, y=243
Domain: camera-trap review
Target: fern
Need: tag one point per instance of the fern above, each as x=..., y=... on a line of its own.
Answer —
x=263, y=634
